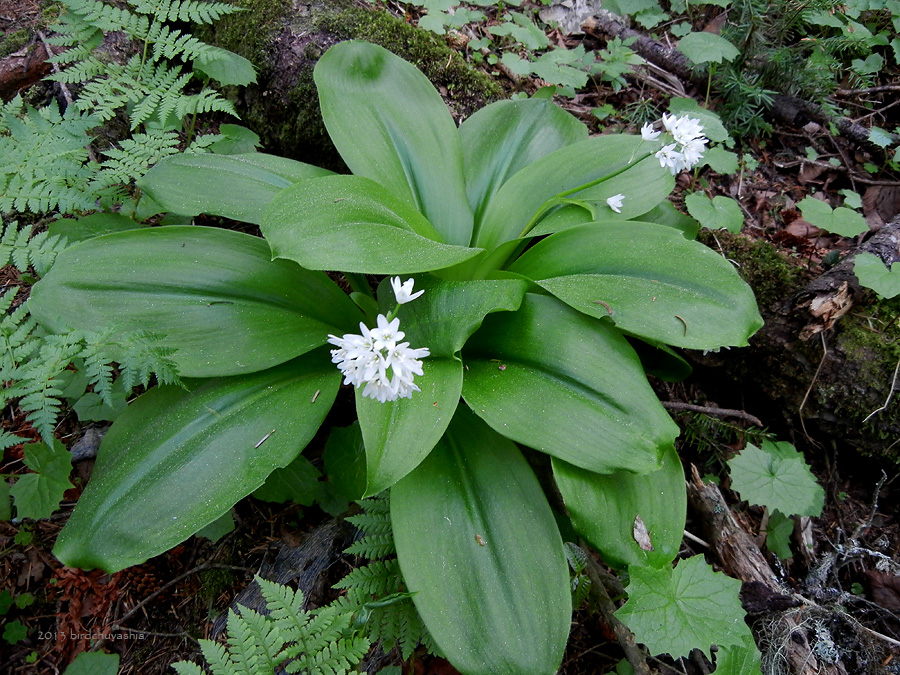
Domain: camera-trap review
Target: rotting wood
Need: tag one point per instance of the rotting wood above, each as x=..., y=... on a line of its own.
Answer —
x=21, y=69
x=741, y=558
x=847, y=385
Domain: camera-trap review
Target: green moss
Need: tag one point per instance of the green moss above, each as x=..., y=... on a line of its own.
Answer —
x=13, y=42
x=771, y=274
x=213, y=582
x=293, y=127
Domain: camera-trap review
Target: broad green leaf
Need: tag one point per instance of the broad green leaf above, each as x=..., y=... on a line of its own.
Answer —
x=721, y=160
x=237, y=140
x=705, y=47
x=840, y=221
x=880, y=137
x=778, y=534
x=716, y=213
x=353, y=224
x=37, y=495
x=612, y=511
x=505, y=137
x=235, y=186
x=217, y=528
x=566, y=169
x=450, y=311
x=523, y=30
x=94, y=663
x=390, y=125
x=345, y=461
x=713, y=128
x=493, y=605
x=298, y=482
x=778, y=478
x=565, y=384
x=398, y=435
x=743, y=659
x=5, y=505
x=225, y=67
x=14, y=632
x=650, y=280
x=215, y=295
x=872, y=273
x=690, y=607
x=94, y=225
x=177, y=459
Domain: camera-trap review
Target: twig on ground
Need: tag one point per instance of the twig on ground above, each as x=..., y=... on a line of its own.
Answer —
x=715, y=412
x=806, y=395
x=876, y=493
x=890, y=394
x=625, y=637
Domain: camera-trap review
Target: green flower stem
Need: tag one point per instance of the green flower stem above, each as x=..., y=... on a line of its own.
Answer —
x=558, y=199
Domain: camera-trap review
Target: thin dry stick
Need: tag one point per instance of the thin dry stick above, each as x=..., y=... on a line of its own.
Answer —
x=625, y=637
x=806, y=396
x=168, y=584
x=715, y=412
x=865, y=525
x=890, y=393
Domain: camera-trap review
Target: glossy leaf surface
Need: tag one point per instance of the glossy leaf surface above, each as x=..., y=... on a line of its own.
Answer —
x=215, y=295
x=565, y=384
x=650, y=280
x=175, y=460
x=505, y=137
x=398, y=435
x=450, y=311
x=605, y=508
x=390, y=125
x=565, y=169
x=494, y=602
x=234, y=186
x=353, y=224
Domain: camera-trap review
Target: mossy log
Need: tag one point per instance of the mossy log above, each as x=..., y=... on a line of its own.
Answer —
x=285, y=38
x=826, y=359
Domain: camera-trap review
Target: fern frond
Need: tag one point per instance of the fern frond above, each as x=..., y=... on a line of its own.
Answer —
x=184, y=10
x=134, y=157
x=17, y=245
x=7, y=440
x=254, y=642
x=336, y=658
x=44, y=160
x=376, y=579
x=206, y=101
x=107, y=18
x=169, y=43
x=188, y=668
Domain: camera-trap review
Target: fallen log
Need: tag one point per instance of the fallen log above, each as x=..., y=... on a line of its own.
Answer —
x=825, y=360
x=21, y=69
x=783, y=614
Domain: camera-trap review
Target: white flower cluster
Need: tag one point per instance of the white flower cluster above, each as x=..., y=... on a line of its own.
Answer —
x=366, y=359
x=689, y=142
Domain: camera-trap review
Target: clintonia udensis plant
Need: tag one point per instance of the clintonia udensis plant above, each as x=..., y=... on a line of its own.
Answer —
x=554, y=275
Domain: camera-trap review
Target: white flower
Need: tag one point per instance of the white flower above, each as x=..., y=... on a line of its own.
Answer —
x=669, y=158
x=648, y=134
x=686, y=129
x=403, y=292
x=366, y=359
x=669, y=122
x=615, y=203
x=693, y=151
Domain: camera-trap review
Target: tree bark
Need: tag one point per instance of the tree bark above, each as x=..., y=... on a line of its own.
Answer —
x=21, y=69
x=818, y=363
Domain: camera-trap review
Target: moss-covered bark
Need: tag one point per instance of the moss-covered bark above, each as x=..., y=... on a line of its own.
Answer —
x=285, y=38
x=779, y=368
